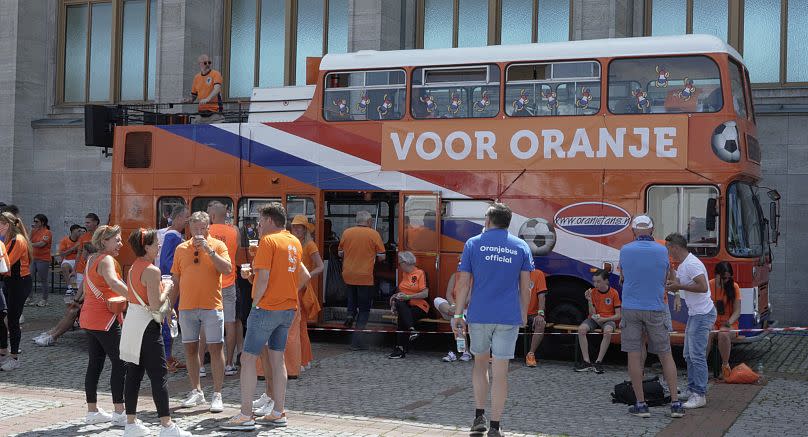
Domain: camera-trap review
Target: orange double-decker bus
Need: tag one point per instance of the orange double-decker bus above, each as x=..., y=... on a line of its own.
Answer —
x=576, y=137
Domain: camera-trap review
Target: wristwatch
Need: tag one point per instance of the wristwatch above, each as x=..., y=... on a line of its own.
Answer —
x=211, y=252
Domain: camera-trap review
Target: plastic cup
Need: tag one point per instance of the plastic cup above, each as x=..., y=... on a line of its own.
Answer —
x=166, y=279
x=253, y=243
x=246, y=267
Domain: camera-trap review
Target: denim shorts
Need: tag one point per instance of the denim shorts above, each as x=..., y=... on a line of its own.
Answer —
x=500, y=340
x=267, y=327
x=192, y=321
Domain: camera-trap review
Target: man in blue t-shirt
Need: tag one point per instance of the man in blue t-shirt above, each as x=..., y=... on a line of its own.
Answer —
x=171, y=239
x=644, y=267
x=499, y=265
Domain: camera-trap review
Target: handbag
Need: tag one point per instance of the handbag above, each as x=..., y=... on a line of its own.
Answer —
x=161, y=312
x=116, y=304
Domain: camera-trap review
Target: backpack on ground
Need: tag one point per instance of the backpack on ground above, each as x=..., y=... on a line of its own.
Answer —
x=654, y=393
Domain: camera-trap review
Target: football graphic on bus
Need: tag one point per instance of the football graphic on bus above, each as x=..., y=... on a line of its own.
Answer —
x=539, y=235
x=726, y=144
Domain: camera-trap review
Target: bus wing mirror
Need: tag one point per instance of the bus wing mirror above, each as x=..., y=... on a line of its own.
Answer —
x=711, y=214
x=774, y=222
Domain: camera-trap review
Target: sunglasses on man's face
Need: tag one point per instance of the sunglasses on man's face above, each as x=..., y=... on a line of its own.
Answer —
x=205, y=62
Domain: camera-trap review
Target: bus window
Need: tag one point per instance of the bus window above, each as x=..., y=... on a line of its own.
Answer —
x=737, y=89
x=201, y=204
x=455, y=92
x=560, y=88
x=682, y=209
x=249, y=210
x=461, y=219
x=342, y=215
x=668, y=85
x=744, y=236
x=364, y=95
x=164, y=207
x=300, y=205
x=420, y=223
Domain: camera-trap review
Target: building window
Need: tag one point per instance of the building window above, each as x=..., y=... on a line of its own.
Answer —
x=269, y=40
x=475, y=23
x=107, y=51
x=768, y=33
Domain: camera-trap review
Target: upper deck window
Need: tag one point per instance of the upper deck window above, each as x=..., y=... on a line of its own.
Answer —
x=561, y=88
x=737, y=88
x=364, y=95
x=455, y=92
x=682, y=84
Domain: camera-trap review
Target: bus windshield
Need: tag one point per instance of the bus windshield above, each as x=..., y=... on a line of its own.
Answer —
x=744, y=236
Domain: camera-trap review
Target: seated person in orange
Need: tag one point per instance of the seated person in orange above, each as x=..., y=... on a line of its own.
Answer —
x=446, y=309
x=535, y=314
x=604, y=313
x=726, y=294
x=409, y=303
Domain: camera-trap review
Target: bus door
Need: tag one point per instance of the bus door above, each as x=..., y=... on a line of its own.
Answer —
x=420, y=231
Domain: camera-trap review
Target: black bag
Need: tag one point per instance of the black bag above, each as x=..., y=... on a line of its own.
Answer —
x=654, y=393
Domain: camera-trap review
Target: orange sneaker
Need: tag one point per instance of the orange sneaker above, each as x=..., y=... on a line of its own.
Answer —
x=725, y=371
x=530, y=359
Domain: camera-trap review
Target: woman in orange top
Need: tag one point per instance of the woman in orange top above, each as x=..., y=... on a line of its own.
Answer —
x=302, y=229
x=103, y=327
x=727, y=297
x=41, y=241
x=409, y=302
x=144, y=279
x=17, y=287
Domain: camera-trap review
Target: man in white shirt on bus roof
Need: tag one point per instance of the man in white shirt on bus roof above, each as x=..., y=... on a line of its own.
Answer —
x=693, y=282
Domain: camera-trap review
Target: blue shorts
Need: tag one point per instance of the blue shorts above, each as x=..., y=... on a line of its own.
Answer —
x=192, y=321
x=500, y=340
x=267, y=327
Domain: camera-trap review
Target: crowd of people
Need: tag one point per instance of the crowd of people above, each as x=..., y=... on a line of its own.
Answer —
x=130, y=316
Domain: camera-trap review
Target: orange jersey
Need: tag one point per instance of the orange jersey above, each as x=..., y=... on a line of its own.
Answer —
x=229, y=236
x=360, y=245
x=94, y=313
x=538, y=285
x=309, y=250
x=18, y=254
x=414, y=283
x=81, y=261
x=605, y=303
x=203, y=86
x=67, y=244
x=719, y=295
x=39, y=236
x=200, y=282
x=281, y=254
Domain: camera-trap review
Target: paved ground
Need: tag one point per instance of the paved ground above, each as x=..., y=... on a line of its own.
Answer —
x=364, y=393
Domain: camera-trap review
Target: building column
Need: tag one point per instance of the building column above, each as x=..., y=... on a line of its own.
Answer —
x=381, y=24
x=596, y=19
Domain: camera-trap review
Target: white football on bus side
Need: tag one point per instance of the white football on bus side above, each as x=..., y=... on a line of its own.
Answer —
x=726, y=144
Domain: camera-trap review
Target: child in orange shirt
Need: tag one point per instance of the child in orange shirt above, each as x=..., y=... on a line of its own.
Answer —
x=604, y=313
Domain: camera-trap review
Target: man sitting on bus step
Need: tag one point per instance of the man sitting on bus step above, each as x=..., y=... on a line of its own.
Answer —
x=207, y=90
x=361, y=246
x=535, y=314
x=604, y=313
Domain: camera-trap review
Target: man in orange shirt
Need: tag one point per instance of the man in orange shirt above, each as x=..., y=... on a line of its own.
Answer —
x=279, y=275
x=229, y=235
x=359, y=248
x=68, y=248
x=199, y=264
x=91, y=222
x=535, y=314
x=207, y=90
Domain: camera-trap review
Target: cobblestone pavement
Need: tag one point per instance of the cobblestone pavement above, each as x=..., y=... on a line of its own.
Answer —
x=364, y=393
x=779, y=409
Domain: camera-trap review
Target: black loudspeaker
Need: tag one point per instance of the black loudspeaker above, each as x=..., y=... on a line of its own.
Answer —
x=99, y=125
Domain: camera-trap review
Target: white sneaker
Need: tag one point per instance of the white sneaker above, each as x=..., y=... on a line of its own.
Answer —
x=41, y=334
x=266, y=409
x=230, y=370
x=465, y=357
x=118, y=419
x=216, y=405
x=137, y=429
x=308, y=366
x=99, y=416
x=173, y=431
x=45, y=341
x=684, y=395
x=262, y=401
x=202, y=372
x=10, y=364
x=696, y=401
x=450, y=357
x=302, y=369
x=195, y=397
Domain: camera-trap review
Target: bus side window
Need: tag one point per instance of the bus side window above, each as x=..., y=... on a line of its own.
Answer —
x=548, y=89
x=164, y=207
x=364, y=95
x=455, y=92
x=249, y=210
